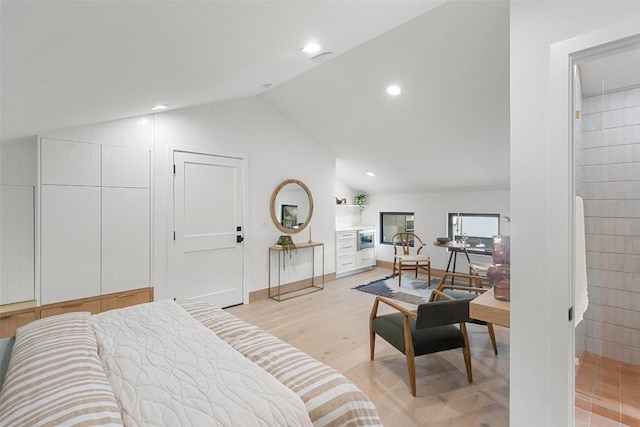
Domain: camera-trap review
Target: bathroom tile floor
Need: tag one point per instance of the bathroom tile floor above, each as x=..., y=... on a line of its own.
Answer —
x=607, y=392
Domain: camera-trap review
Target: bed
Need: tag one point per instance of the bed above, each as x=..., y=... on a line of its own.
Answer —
x=170, y=364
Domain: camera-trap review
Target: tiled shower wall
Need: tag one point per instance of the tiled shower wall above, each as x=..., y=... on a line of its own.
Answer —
x=608, y=179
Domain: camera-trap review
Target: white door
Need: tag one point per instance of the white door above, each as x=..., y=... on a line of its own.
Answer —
x=207, y=200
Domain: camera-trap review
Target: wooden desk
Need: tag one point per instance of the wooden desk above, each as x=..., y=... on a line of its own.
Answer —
x=486, y=307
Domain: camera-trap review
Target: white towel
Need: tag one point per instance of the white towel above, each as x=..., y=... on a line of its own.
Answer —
x=581, y=297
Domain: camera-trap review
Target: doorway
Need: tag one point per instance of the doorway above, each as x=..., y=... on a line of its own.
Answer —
x=606, y=138
x=208, y=228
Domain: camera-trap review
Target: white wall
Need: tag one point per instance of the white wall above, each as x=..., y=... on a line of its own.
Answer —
x=343, y=191
x=431, y=211
x=540, y=392
x=274, y=150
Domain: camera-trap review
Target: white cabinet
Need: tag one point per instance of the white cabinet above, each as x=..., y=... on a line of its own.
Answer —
x=95, y=211
x=18, y=177
x=350, y=260
x=346, y=243
x=346, y=248
x=69, y=162
x=16, y=243
x=366, y=258
x=70, y=242
x=345, y=263
x=125, y=239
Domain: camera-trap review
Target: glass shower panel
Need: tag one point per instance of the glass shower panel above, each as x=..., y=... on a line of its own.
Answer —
x=590, y=231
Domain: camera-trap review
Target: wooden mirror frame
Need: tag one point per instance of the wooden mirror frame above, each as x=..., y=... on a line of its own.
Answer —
x=274, y=217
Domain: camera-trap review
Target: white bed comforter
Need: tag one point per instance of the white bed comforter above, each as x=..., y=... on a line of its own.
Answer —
x=167, y=369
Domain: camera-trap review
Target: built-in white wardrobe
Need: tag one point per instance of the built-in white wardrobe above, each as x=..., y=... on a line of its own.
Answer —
x=17, y=220
x=94, y=193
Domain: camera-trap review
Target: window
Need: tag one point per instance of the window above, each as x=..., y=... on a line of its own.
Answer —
x=394, y=222
x=479, y=228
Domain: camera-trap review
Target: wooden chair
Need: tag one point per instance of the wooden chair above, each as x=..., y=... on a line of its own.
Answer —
x=429, y=329
x=407, y=255
x=477, y=285
x=479, y=269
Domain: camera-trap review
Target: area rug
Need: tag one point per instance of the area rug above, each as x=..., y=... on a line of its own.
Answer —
x=413, y=291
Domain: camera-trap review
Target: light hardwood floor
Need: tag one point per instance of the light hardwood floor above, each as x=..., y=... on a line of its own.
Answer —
x=332, y=326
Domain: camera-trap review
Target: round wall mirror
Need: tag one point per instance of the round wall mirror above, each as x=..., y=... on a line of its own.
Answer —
x=291, y=206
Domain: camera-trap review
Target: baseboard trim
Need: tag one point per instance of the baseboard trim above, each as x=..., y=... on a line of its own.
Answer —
x=261, y=294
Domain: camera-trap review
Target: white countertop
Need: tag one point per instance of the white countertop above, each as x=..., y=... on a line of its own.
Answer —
x=357, y=227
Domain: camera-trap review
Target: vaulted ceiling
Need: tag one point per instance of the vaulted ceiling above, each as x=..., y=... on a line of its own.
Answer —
x=67, y=63
x=449, y=128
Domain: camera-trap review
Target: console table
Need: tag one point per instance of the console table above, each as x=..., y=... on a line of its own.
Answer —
x=280, y=295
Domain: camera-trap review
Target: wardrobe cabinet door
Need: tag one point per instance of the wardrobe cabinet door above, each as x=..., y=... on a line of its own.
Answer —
x=70, y=243
x=16, y=244
x=69, y=163
x=125, y=239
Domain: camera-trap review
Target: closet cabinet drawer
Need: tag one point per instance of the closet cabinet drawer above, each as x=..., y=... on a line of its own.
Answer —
x=346, y=246
x=91, y=306
x=126, y=299
x=9, y=323
x=365, y=258
x=346, y=235
x=346, y=263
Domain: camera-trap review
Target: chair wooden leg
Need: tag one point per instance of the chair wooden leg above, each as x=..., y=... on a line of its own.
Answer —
x=372, y=343
x=411, y=366
x=399, y=273
x=416, y=270
x=467, y=362
x=429, y=272
x=372, y=335
x=466, y=352
x=408, y=351
x=492, y=335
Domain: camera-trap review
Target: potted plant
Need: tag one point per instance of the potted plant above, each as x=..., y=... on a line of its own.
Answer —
x=287, y=246
x=360, y=200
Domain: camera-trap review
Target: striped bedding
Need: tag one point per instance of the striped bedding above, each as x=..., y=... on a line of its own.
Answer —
x=55, y=377
x=330, y=398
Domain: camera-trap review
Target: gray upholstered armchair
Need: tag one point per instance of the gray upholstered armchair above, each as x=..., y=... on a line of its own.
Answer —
x=459, y=290
x=429, y=329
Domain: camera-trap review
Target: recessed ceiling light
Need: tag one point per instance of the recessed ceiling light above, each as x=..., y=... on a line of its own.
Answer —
x=369, y=173
x=325, y=56
x=311, y=48
x=394, y=90
x=158, y=107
